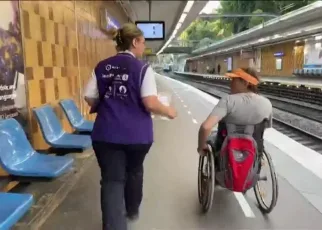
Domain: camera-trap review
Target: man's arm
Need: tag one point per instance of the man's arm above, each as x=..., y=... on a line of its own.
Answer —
x=205, y=130
x=218, y=113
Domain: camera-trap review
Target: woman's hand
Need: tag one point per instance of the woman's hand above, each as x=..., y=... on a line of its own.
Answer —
x=172, y=113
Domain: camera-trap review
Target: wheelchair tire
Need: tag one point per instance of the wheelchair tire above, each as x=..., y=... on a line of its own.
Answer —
x=263, y=206
x=201, y=162
x=206, y=199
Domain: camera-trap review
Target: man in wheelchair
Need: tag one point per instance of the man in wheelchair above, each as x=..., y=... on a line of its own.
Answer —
x=242, y=117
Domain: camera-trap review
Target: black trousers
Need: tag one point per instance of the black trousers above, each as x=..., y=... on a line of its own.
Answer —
x=121, y=181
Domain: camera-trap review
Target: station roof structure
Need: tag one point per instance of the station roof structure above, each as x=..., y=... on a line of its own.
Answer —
x=177, y=15
x=297, y=24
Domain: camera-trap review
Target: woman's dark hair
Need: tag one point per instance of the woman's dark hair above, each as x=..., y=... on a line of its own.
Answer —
x=253, y=72
x=124, y=36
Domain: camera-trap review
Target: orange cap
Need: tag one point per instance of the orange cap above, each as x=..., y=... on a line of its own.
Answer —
x=242, y=74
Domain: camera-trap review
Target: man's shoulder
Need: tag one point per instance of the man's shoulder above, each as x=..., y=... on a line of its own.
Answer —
x=247, y=99
x=264, y=99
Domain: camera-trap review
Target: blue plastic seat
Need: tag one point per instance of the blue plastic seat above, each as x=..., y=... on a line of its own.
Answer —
x=13, y=207
x=54, y=134
x=18, y=157
x=74, y=117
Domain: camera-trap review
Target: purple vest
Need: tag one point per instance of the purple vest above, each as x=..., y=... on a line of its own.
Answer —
x=121, y=115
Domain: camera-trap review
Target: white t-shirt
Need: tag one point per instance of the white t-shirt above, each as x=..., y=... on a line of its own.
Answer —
x=148, y=87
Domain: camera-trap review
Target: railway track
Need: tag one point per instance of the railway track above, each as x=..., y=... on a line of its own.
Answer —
x=310, y=113
x=299, y=93
x=301, y=136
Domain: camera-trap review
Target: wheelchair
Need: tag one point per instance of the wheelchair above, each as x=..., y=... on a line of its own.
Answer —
x=207, y=181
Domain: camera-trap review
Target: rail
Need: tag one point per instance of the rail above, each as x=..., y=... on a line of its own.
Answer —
x=182, y=43
x=311, y=95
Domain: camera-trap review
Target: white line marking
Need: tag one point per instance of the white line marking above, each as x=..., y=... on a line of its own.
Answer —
x=244, y=205
x=182, y=101
x=185, y=106
x=189, y=112
x=195, y=121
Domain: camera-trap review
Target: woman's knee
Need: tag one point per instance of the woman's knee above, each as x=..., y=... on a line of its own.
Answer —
x=135, y=174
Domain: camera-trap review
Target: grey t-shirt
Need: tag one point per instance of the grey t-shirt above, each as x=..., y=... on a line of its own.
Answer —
x=244, y=109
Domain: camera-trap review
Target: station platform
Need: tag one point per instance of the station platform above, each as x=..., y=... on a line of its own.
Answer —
x=312, y=82
x=170, y=199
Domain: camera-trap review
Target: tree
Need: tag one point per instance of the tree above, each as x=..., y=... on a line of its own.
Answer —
x=256, y=20
x=217, y=29
x=201, y=28
x=239, y=23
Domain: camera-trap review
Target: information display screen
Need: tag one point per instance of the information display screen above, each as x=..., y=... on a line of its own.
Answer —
x=152, y=30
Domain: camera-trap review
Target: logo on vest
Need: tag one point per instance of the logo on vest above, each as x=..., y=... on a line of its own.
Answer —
x=125, y=77
x=122, y=89
x=107, y=75
x=108, y=92
x=109, y=67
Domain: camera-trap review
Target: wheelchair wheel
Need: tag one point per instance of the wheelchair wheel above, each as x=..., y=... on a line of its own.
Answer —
x=264, y=205
x=206, y=180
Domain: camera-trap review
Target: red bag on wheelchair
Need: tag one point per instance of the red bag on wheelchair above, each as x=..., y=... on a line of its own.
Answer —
x=237, y=169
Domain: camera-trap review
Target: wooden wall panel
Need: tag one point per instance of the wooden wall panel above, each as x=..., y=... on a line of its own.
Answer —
x=62, y=43
x=292, y=59
x=268, y=62
x=298, y=57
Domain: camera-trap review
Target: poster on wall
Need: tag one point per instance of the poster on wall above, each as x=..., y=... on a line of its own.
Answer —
x=12, y=79
x=255, y=62
x=313, y=54
x=107, y=21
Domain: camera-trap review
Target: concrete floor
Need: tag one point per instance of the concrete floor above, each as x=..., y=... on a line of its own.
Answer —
x=170, y=189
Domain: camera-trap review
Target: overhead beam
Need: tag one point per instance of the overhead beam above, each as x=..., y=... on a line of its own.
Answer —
x=236, y=15
x=150, y=9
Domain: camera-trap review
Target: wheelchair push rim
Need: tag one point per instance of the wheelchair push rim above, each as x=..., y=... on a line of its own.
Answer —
x=264, y=206
x=206, y=180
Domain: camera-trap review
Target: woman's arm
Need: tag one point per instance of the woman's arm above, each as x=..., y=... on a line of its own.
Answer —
x=150, y=99
x=91, y=90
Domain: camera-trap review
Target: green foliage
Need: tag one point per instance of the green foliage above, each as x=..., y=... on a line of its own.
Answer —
x=254, y=21
x=217, y=29
x=200, y=29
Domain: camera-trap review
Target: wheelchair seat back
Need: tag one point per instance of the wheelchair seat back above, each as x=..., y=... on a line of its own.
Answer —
x=238, y=158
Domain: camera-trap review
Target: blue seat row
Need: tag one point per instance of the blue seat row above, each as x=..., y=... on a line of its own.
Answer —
x=54, y=134
x=18, y=158
x=309, y=72
x=75, y=118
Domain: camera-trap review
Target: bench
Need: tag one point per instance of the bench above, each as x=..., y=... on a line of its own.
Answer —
x=74, y=117
x=54, y=134
x=13, y=207
x=18, y=158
